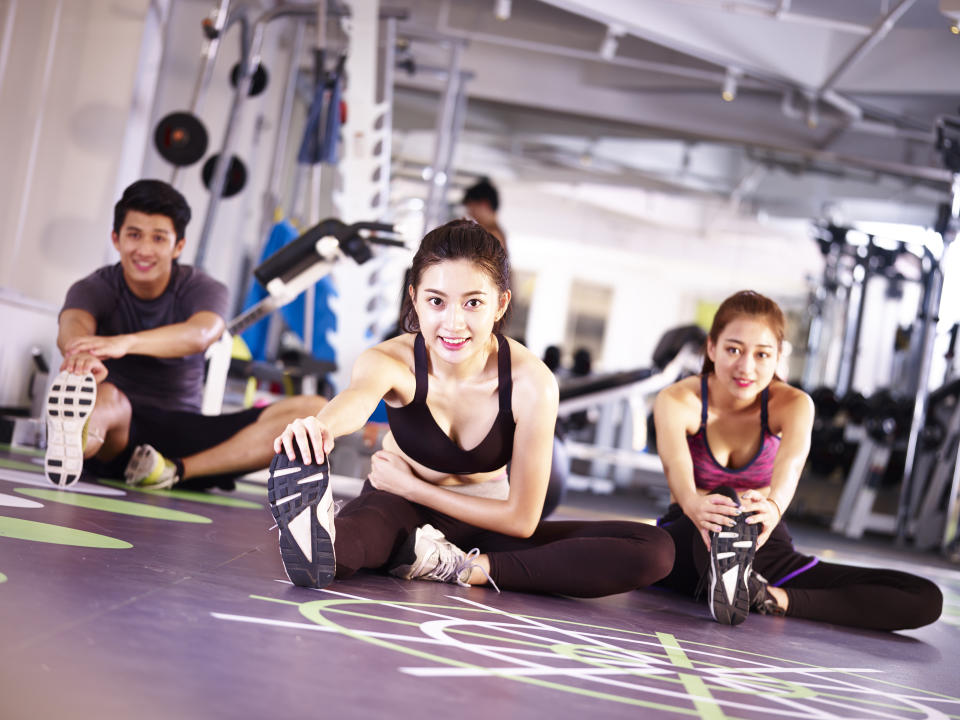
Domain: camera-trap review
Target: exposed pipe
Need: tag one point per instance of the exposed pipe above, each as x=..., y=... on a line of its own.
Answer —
x=768, y=79
x=278, y=161
x=446, y=32
x=878, y=32
x=443, y=147
x=389, y=73
x=781, y=12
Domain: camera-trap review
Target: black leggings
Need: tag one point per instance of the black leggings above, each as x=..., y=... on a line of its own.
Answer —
x=843, y=594
x=576, y=558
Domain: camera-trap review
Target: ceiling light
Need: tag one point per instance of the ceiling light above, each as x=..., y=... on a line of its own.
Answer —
x=955, y=28
x=813, y=115
x=611, y=41
x=501, y=11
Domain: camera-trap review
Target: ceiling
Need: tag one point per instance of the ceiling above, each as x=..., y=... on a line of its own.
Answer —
x=833, y=106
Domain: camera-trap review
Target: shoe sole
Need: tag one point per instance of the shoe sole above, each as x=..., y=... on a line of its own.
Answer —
x=731, y=558
x=70, y=401
x=293, y=490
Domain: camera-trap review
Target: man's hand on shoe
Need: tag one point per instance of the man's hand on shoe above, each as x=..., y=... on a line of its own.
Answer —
x=83, y=363
x=101, y=346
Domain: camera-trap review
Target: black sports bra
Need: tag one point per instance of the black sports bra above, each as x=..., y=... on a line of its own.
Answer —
x=419, y=436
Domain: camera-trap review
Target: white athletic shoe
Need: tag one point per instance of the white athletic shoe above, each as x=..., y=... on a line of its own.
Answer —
x=149, y=469
x=70, y=402
x=428, y=555
x=301, y=501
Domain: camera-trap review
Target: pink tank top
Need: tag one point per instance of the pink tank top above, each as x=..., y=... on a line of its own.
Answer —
x=708, y=474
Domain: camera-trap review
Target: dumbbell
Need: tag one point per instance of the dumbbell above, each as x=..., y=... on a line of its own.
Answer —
x=855, y=405
x=826, y=403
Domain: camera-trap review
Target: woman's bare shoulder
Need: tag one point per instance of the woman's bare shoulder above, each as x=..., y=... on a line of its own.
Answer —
x=785, y=395
x=528, y=371
x=397, y=352
x=683, y=393
x=788, y=405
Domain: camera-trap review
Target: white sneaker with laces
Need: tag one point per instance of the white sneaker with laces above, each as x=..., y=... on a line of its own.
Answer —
x=428, y=555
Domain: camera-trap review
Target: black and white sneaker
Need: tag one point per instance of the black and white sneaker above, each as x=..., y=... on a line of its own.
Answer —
x=761, y=599
x=301, y=501
x=731, y=560
x=69, y=403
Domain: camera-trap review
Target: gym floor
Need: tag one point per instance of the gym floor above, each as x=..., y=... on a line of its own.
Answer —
x=117, y=603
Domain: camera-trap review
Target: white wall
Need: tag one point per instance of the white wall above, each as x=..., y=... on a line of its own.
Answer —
x=65, y=102
x=27, y=325
x=75, y=79
x=659, y=255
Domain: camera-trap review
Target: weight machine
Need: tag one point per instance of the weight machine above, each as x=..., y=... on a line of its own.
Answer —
x=286, y=274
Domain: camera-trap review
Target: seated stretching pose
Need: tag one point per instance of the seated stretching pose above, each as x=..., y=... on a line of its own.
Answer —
x=726, y=488
x=145, y=323
x=462, y=401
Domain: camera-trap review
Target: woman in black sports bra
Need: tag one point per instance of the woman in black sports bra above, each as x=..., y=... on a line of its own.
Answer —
x=463, y=402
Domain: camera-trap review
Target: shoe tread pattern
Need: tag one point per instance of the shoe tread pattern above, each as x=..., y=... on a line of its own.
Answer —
x=70, y=401
x=317, y=572
x=724, y=611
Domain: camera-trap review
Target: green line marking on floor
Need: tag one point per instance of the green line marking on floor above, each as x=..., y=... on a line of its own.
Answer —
x=251, y=489
x=17, y=465
x=57, y=534
x=19, y=450
x=122, y=507
x=703, y=701
x=674, y=652
x=190, y=495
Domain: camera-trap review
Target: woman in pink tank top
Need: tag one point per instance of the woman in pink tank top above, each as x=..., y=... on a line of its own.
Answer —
x=733, y=442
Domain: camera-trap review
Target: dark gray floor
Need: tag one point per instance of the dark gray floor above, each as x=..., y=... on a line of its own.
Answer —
x=175, y=605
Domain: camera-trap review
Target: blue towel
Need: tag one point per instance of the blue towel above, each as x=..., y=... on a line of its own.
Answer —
x=323, y=317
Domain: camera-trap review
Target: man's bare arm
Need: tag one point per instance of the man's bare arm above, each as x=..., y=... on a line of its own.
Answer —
x=168, y=341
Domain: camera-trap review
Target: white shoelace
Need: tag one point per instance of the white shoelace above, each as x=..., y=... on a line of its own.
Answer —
x=450, y=566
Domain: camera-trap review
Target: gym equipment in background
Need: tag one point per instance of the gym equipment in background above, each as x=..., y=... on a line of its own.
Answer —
x=251, y=42
x=180, y=138
x=877, y=427
x=947, y=225
x=932, y=496
x=236, y=178
x=257, y=84
x=885, y=431
x=285, y=275
x=624, y=401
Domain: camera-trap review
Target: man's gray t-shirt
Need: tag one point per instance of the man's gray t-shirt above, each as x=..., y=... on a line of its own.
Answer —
x=170, y=383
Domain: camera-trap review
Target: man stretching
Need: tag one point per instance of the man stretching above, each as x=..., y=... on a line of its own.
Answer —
x=145, y=324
